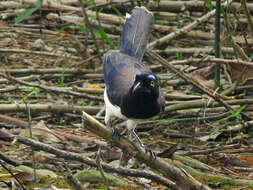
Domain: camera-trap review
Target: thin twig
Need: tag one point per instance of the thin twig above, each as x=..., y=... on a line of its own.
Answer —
x=180, y=177
x=52, y=89
x=100, y=168
x=30, y=133
x=107, y=167
x=186, y=28
x=12, y=174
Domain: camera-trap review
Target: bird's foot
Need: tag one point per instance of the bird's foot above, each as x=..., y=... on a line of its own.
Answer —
x=151, y=153
x=133, y=136
x=116, y=133
x=140, y=144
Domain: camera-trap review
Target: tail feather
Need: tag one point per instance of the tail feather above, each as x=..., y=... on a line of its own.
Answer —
x=136, y=32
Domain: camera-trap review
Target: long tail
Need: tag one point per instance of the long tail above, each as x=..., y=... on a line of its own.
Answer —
x=136, y=32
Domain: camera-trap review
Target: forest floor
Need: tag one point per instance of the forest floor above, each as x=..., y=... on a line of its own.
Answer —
x=50, y=71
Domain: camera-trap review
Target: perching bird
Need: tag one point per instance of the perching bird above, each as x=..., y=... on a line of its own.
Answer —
x=132, y=91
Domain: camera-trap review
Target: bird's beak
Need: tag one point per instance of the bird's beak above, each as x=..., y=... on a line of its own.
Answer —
x=136, y=86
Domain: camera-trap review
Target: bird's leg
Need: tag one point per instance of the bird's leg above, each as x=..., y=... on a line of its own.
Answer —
x=115, y=131
x=108, y=123
x=133, y=133
x=131, y=128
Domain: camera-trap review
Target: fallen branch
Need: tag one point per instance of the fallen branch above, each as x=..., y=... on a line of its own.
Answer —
x=74, y=156
x=53, y=108
x=207, y=91
x=186, y=28
x=53, y=89
x=205, y=103
x=5, y=51
x=179, y=176
x=179, y=6
x=47, y=71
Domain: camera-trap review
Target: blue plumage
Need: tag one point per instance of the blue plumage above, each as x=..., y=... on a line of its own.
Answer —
x=132, y=90
x=136, y=32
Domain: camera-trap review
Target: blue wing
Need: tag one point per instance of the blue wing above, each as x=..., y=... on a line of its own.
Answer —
x=136, y=32
x=119, y=74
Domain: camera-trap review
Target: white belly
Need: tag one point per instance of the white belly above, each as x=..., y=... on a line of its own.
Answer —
x=111, y=110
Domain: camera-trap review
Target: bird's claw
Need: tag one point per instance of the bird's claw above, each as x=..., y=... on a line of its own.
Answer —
x=116, y=133
x=135, y=137
x=151, y=153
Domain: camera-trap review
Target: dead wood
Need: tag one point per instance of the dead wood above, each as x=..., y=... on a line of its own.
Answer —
x=185, y=29
x=74, y=156
x=180, y=177
x=53, y=108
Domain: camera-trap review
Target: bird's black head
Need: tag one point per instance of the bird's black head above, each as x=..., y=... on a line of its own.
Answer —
x=145, y=84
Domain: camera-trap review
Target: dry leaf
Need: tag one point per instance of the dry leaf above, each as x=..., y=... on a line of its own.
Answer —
x=95, y=86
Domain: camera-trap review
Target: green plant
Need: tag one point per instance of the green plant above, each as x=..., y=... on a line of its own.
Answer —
x=28, y=12
x=217, y=45
x=251, y=56
x=33, y=90
x=234, y=114
x=75, y=27
x=179, y=56
x=208, y=4
x=61, y=80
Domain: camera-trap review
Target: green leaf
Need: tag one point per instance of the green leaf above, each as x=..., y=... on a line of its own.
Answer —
x=28, y=12
x=208, y=4
x=165, y=122
x=251, y=56
x=74, y=27
x=104, y=36
x=33, y=90
x=117, y=11
x=179, y=56
x=61, y=80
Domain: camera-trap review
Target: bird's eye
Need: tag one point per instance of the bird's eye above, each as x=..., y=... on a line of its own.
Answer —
x=152, y=83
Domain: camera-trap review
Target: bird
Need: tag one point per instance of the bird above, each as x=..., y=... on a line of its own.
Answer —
x=132, y=92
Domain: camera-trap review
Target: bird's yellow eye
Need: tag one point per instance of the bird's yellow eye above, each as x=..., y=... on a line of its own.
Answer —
x=152, y=83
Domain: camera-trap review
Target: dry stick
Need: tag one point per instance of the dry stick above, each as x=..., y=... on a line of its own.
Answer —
x=74, y=183
x=79, y=89
x=89, y=72
x=59, y=134
x=179, y=176
x=207, y=91
x=63, y=108
x=53, y=89
x=12, y=174
x=28, y=78
x=30, y=133
x=208, y=151
x=182, y=5
x=199, y=104
x=107, y=167
x=112, y=19
x=47, y=71
x=9, y=160
x=4, y=50
x=192, y=50
x=13, y=121
x=210, y=59
x=186, y=28
x=142, y=183
x=100, y=168
x=53, y=108
x=242, y=169
x=250, y=21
